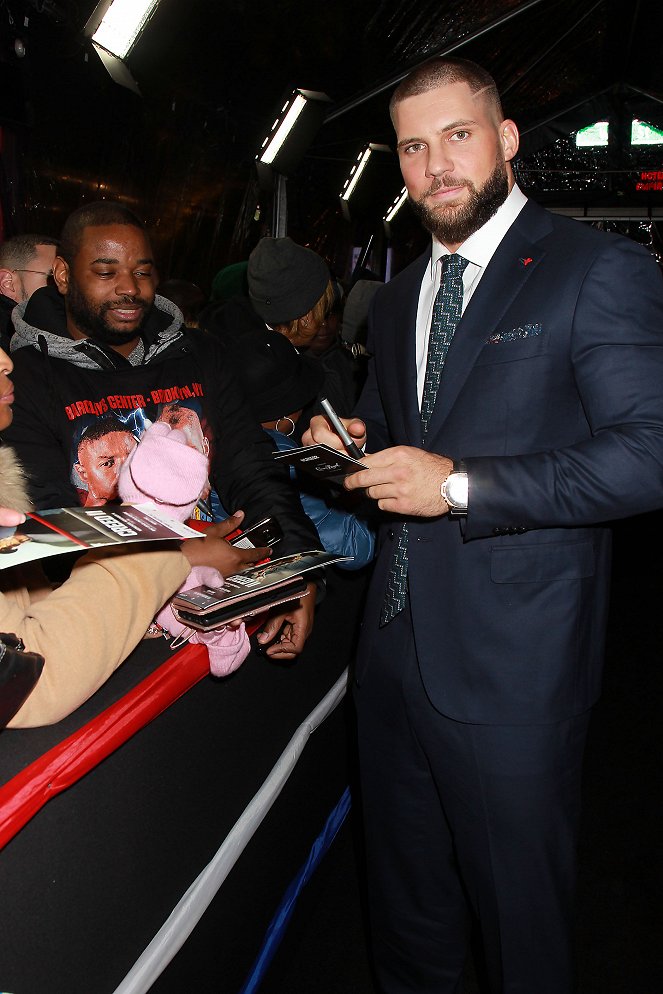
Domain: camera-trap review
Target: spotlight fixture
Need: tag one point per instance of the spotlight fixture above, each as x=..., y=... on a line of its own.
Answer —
x=114, y=28
x=359, y=165
x=116, y=25
x=358, y=168
x=293, y=131
x=396, y=206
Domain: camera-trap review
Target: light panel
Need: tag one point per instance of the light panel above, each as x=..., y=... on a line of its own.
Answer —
x=122, y=25
x=280, y=131
x=396, y=206
x=355, y=173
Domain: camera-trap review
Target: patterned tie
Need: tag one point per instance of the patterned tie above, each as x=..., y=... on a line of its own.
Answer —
x=447, y=311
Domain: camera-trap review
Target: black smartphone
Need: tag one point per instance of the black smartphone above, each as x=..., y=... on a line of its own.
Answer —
x=264, y=533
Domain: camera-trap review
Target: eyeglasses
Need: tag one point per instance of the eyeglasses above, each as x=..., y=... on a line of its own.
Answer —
x=37, y=272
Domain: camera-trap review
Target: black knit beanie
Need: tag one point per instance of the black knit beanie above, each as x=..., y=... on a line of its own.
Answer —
x=285, y=280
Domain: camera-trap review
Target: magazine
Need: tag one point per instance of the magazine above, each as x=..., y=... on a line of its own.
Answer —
x=250, y=591
x=72, y=529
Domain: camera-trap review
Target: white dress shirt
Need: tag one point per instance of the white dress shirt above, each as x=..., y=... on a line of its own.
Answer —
x=478, y=250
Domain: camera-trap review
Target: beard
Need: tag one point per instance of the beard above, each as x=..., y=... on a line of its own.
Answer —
x=92, y=321
x=454, y=224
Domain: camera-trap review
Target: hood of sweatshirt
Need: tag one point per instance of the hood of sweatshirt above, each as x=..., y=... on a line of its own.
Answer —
x=41, y=323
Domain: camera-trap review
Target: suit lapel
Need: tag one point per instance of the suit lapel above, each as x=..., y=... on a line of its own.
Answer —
x=512, y=265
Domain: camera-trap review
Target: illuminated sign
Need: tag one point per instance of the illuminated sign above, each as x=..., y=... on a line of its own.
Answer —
x=651, y=179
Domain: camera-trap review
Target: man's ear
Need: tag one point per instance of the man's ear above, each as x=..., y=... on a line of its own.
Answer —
x=7, y=284
x=61, y=275
x=510, y=139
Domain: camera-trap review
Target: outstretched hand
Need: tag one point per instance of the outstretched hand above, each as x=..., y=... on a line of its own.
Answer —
x=214, y=550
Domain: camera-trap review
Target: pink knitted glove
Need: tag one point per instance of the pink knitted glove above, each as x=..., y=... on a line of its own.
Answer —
x=227, y=647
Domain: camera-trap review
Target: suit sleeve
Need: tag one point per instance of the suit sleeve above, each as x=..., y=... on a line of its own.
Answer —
x=616, y=469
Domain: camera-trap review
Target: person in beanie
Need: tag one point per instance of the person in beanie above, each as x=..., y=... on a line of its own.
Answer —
x=289, y=288
x=289, y=291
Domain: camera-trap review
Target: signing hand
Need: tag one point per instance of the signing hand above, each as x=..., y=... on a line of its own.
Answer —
x=320, y=430
x=297, y=626
x=404, y=480
x=215, y=551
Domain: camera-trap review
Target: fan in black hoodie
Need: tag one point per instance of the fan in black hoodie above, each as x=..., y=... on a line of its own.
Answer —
x=100, y=354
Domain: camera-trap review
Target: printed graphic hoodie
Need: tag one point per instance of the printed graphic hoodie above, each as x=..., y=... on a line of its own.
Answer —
x=80, y=408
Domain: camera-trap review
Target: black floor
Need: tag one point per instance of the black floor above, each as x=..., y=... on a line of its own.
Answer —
x=620, y=918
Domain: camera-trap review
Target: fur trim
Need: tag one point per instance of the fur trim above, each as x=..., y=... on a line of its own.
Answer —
x=13, y=485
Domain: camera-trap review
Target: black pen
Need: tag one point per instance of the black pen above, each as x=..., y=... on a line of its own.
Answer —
x=340, y=429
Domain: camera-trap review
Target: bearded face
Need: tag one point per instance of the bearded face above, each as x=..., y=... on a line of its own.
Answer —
x=453, y=224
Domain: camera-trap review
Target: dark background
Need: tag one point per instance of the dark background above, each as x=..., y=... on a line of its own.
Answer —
x=213, y=76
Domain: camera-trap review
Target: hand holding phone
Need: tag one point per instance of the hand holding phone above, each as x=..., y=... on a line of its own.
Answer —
x=263, y=533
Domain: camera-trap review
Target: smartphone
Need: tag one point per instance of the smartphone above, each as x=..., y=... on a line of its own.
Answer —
x=265, y=533
x=206, y=608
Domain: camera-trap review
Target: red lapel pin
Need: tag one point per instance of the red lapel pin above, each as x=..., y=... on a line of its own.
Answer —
x=526, y=262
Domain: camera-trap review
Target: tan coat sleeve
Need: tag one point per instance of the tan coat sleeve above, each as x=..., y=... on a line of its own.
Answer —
x=88, y=626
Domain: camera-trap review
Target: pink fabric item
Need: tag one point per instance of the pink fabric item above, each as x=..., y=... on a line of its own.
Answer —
x=165, y=469
x=227, y=647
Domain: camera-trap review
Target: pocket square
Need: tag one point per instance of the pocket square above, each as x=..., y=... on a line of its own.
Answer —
x=515, y=334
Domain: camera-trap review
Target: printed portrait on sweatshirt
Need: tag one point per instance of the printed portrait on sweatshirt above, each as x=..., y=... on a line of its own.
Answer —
x=101, y=445
x=101, y=449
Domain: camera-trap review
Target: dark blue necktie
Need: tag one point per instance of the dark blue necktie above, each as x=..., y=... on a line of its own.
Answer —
x=447, y=311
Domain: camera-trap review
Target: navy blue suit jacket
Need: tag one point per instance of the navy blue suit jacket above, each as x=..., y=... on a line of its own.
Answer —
x=552, y=393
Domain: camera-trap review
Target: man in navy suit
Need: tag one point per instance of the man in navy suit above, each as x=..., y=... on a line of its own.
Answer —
x=473, y=692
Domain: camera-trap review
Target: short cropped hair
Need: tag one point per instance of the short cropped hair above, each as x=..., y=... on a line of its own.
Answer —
x=19, y=251
x=441, y=71
x=101, y=428
x=102, y=212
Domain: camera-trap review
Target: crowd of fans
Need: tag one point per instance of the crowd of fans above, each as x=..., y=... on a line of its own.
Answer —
x=95, y=353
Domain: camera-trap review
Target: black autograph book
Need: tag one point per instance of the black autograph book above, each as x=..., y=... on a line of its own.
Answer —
x=320, y=461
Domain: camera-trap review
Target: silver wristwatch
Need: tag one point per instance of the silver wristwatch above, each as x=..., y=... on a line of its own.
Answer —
x=455, y=490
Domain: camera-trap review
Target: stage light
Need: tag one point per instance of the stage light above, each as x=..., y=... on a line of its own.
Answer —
x=396, y=206
x=114, y=27
x=283, y=128
x=117, y=25
x=355, y=173
x=293, y=131
x=358, y=168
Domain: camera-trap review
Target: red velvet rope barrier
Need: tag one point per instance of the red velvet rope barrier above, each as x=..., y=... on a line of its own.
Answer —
x=64, y=764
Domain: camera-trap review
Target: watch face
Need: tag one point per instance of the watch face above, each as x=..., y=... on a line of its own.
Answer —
x=456, y=490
